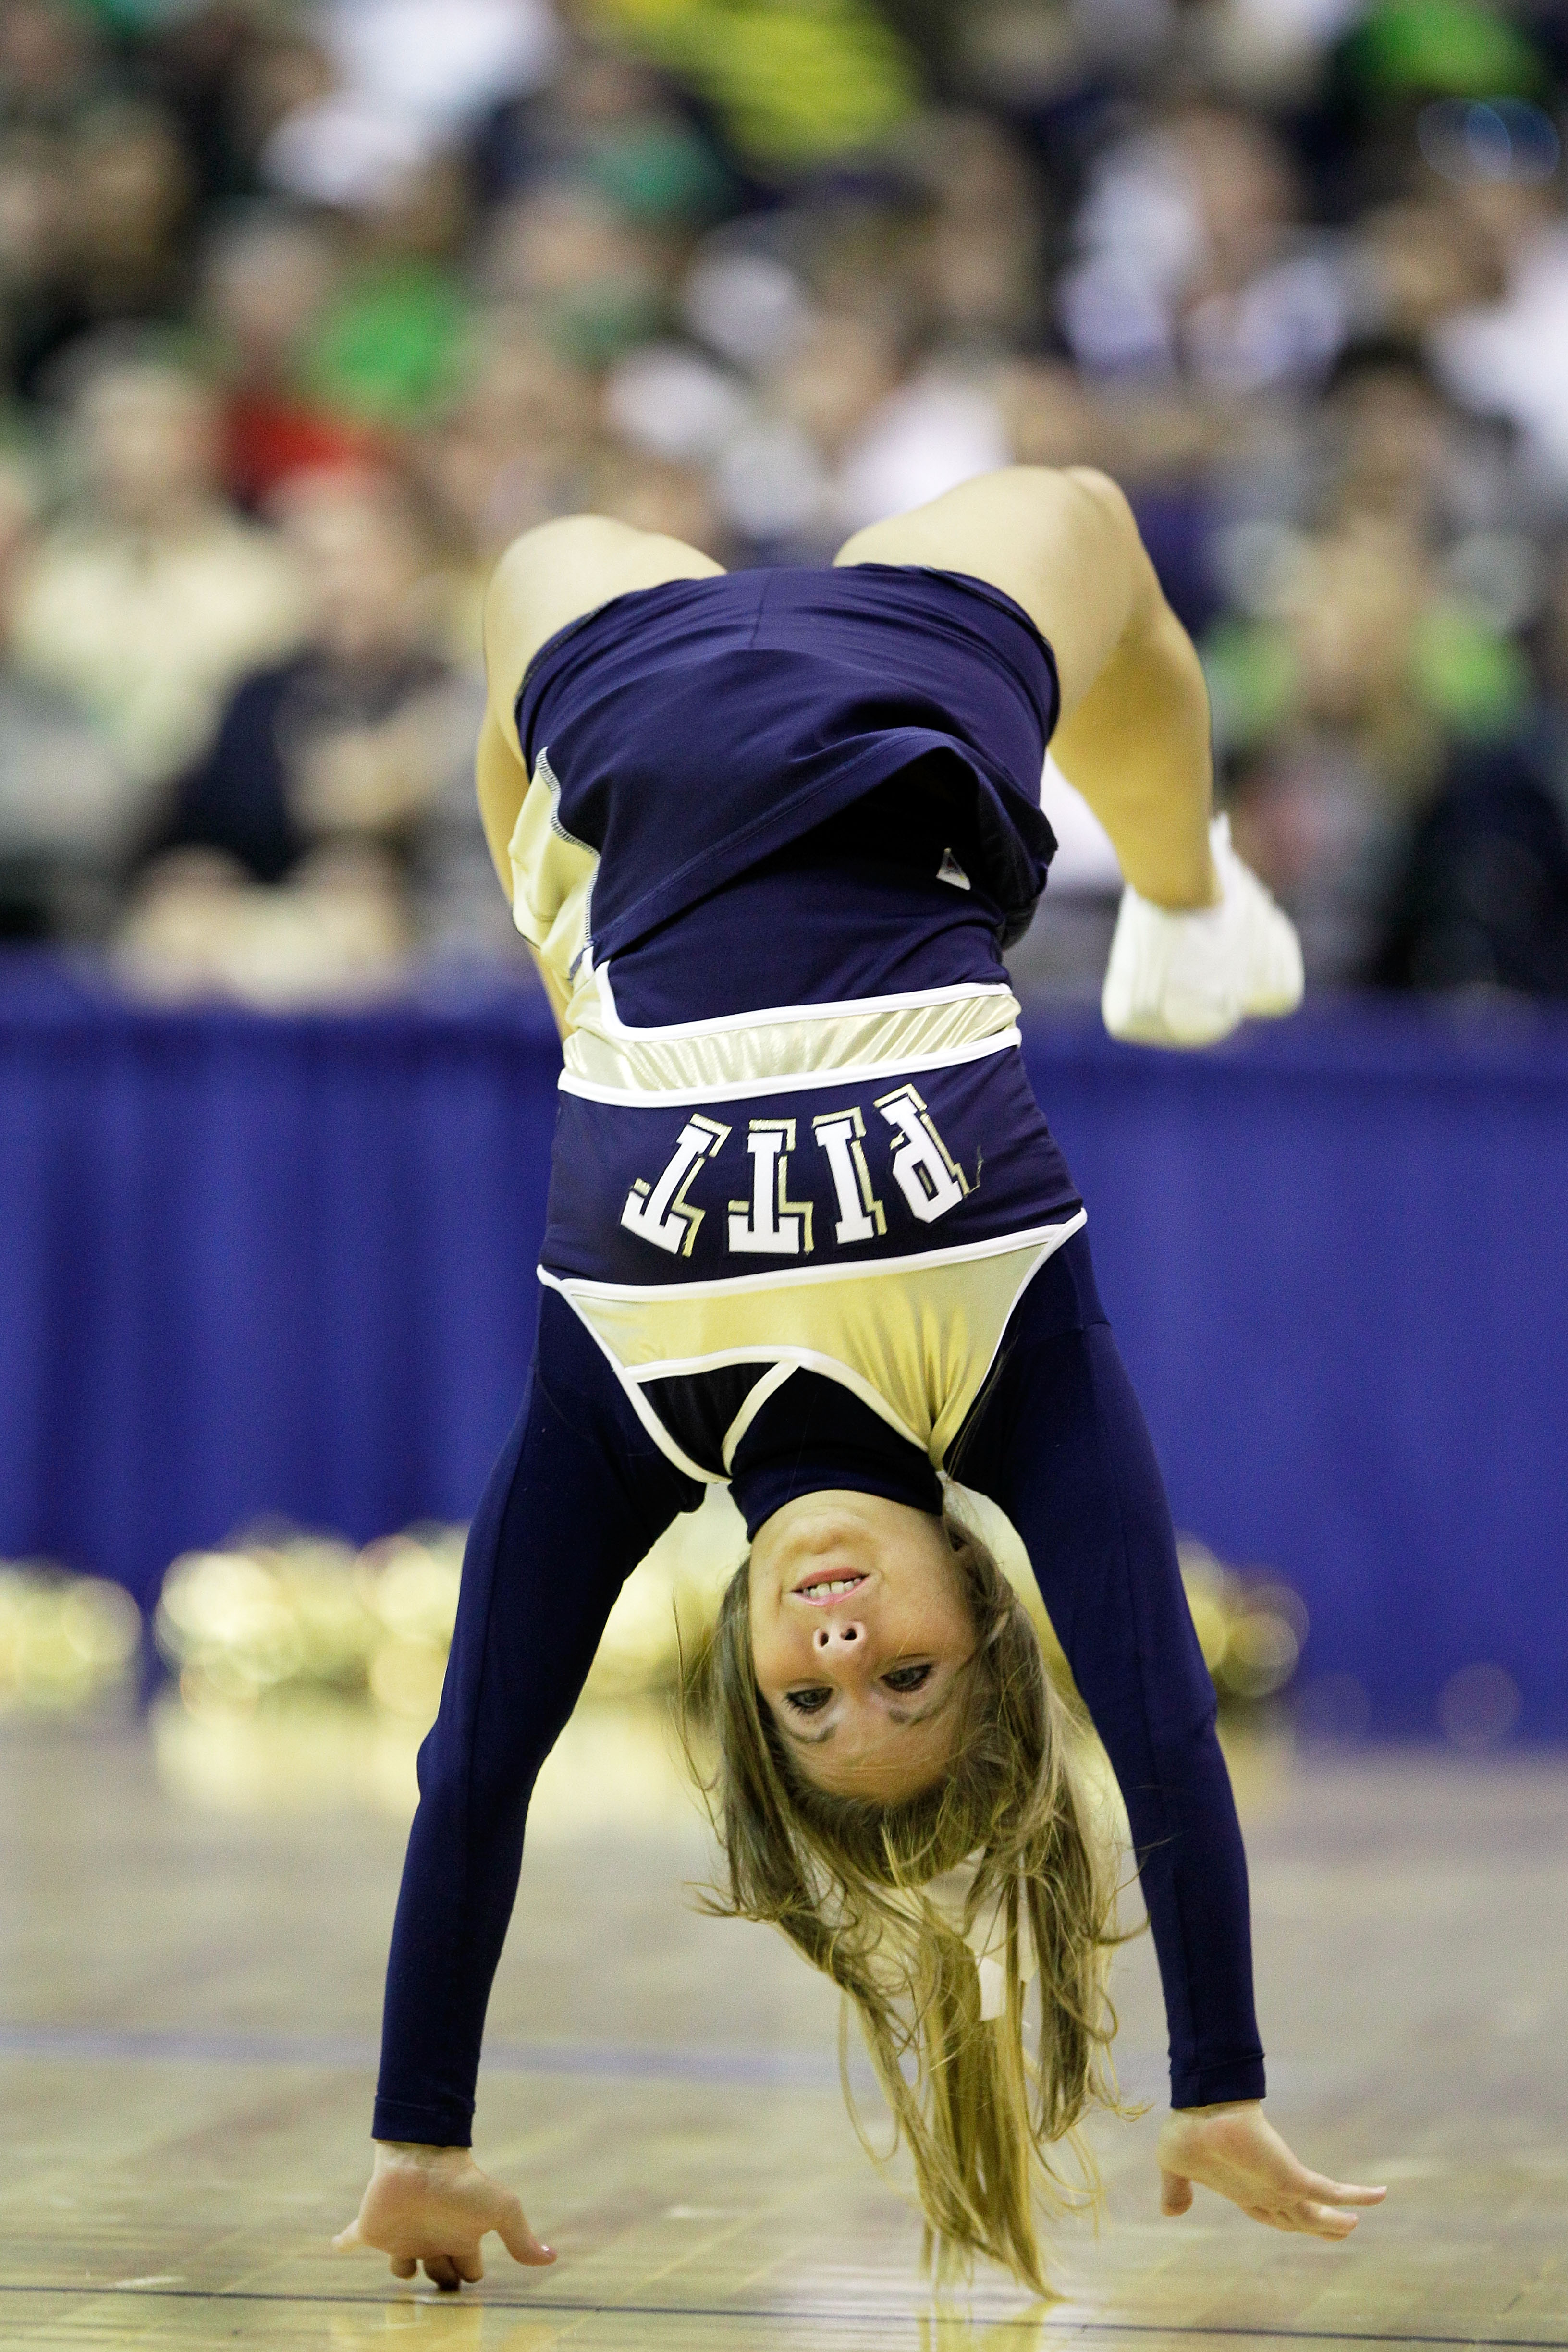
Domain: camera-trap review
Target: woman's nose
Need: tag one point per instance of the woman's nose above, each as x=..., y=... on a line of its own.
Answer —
x=837, y=1637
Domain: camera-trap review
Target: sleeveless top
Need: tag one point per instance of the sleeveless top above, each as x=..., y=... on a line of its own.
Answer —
x=778, y=825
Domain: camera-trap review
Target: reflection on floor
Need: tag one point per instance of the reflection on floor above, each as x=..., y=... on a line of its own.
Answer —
x=190, y=1945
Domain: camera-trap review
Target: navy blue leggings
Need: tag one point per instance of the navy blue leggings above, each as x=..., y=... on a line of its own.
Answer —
x=576, y=1499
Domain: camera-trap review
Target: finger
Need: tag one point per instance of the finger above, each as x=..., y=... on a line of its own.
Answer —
x=401, y=2265
x=518, y=2239
x=470, y=2267
x=442, y=2272
x=1175, y=2193
x=1323, y=2222
x=347, y=2240
x=1316, y=2186
x=1294, y=2218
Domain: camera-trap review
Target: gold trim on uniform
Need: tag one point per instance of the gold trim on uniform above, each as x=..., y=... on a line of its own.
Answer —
x=552, y=883
x=553, y=888
x=802, y=1047
x=921, y=1368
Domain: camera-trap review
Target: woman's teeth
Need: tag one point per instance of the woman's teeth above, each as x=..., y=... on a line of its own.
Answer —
x=826, y=1586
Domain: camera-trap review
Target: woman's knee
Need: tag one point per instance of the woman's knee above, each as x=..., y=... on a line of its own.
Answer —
x=975, y=518
x=1062, y=545
x=561, y=570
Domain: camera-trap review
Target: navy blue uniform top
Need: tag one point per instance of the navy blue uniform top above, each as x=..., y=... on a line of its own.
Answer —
x=854, y=905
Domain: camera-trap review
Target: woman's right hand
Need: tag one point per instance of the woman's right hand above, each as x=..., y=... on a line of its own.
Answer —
x=432, y=2205
x=1233, y=2149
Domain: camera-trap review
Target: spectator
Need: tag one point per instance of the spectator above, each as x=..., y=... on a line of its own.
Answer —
x=514, y=447
x=150, y=597
x=66, y=806
x=1481, y=900
x=35, y=253
x=1294, y=275
x=49, y=63
x=659, y=494
x=1510, y=359
x=93, y=222
x=1336, y=714
x=131, y=196
x=439, y=70
x=1419, y=261
x=779, y=479
x=355, y=757
x=266, y=283
x=196, y=928
x=1392, y=444
x=594, y=281
x=1195, y=256
x=815, y=83
x=280, y=71
x=608, y=125
x=976, y=269
x=387, y=347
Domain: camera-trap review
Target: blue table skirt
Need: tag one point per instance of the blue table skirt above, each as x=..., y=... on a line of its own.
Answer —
x=255, y=1265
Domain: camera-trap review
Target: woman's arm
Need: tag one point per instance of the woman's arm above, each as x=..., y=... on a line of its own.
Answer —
x=577, y=1498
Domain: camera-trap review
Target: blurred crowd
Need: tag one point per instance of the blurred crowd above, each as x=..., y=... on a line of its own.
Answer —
x=308, y=306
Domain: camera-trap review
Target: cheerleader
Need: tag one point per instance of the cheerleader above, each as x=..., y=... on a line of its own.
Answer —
x=770, y=835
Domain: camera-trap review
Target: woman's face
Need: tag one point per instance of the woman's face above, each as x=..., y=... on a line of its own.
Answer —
x=859, y=1636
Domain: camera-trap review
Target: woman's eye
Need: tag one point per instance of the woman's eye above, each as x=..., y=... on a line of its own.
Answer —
x=908, y=1678
x=807, y=1702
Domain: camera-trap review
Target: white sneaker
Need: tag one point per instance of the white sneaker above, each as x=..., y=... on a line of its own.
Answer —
x=1190, y=979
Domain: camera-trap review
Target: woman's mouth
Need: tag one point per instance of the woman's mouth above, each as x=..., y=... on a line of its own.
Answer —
x=828, y=1585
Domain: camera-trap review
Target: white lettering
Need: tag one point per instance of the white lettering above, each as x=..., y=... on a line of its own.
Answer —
x=770, y=1224
x=862, y=1216
x=923, y=1168
x=661, y=1213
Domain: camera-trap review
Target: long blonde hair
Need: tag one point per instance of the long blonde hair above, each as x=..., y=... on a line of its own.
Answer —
x=840, y=1877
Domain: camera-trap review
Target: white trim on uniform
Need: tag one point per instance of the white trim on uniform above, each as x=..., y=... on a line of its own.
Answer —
x=784, y=1360
x=638, y=1402
x=792, y=1357
x=758, y=1396
x=1064, y=1234
x=955, y=992
x=787, y=1358
x=739, y=1089
x=855, y=1270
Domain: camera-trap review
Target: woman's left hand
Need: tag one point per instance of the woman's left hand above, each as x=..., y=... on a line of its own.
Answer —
x=432, y=2205
x=1237, y=2153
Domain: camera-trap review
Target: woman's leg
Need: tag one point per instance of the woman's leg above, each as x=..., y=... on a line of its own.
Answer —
x=559, y=572
x=551, y=576
x=1134, y=729
x=1063, y=545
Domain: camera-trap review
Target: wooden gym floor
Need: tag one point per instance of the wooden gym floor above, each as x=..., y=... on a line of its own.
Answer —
x=193, y=1932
